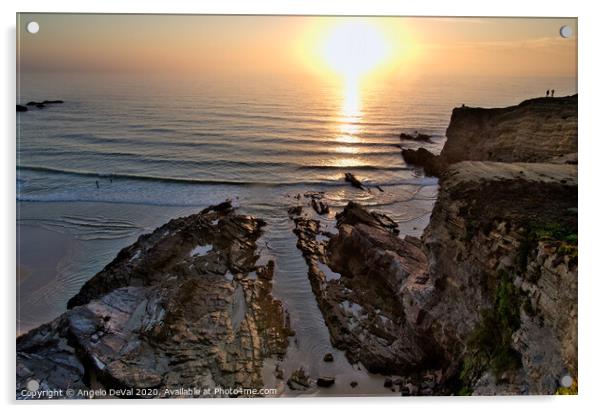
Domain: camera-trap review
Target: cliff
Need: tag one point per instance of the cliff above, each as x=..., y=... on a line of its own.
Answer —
x=537, y=130
x=501, y=300
x=534, y=131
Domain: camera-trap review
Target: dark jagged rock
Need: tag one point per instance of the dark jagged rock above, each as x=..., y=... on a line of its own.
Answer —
x=325, y=381
x=21, y=108
x=317, y=203
x=432, y=164
x=320, y=207
x=356, y=277
x=295, y=211
x=45, y=102
x=299, y=380
x=349, y=177
x=328, y=357
x=354, y=213
x=223, y=207
x=177, y=309
x=420, y=137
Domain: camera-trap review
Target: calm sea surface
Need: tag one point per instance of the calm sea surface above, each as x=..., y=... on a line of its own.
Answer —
x=124, y=154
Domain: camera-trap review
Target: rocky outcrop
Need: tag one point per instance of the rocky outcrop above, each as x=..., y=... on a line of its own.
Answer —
x=183, y=307
x=39, y=105
x=357, y=277
x=533, y=131
x=432, y=164
x=537, y=130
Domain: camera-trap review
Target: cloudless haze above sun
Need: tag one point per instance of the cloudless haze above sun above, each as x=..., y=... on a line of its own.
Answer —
x=348, y=48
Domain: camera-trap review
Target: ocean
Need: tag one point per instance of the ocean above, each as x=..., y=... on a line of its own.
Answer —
x=124, y=154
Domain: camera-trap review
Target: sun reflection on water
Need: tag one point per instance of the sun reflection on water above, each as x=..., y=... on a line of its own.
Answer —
x=349, y=127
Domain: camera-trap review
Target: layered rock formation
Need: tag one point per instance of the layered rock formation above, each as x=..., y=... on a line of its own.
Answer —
x=357, y=276
x=537, y=130
x=184, y=307
x=534, y=131
x=501, y=299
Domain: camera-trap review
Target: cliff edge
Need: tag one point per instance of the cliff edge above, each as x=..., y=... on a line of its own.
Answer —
x=536, y=130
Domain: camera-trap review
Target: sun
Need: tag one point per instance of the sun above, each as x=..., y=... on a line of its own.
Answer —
x=353, y=49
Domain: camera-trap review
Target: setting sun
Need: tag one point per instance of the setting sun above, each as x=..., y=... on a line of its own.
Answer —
x=352, y=49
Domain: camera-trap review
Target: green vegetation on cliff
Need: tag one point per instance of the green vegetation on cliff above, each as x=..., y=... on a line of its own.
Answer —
x=490, y=343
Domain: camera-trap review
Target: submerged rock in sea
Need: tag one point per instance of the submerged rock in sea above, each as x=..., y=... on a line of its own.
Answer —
x=432, y=164
x=349, y=177
x=325, y=381
x=416, y=136
x=45, y=102
x=317, y=202
x=177, y=309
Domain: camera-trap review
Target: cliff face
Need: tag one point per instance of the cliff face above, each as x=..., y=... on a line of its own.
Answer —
x=501, y=300
x=534, y=131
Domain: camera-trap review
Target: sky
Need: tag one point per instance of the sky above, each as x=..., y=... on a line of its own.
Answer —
x=347, y=47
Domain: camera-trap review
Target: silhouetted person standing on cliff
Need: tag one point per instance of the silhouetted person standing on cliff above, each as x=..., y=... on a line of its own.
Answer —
x=548, y=93
x=552, y=92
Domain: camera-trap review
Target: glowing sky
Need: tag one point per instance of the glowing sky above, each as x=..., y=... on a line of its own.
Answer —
x=297, y=45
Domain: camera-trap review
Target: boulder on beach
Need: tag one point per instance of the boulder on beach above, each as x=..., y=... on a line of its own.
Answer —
x=299, y=380
x=325, y=381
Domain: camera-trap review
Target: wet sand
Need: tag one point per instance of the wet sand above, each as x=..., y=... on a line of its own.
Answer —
x=37, y=269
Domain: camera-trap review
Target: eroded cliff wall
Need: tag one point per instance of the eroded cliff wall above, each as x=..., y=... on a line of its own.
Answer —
x=501, y=300
x=534, y=131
